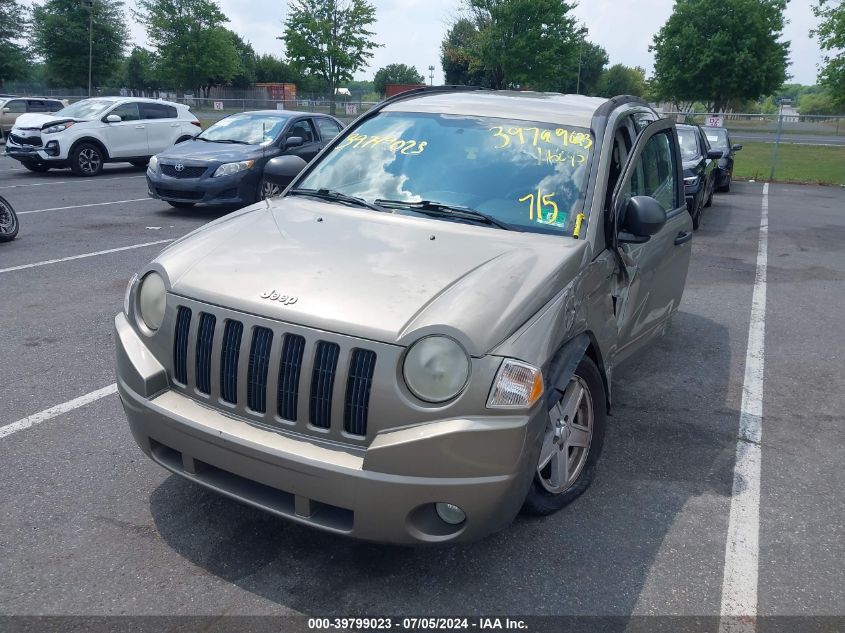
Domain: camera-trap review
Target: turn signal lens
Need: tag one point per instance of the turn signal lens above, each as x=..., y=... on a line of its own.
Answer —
x=518, y=385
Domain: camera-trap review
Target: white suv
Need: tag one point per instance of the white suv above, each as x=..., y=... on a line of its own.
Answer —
x=92, y=132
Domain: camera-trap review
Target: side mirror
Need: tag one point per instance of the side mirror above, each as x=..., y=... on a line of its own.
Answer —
x=113, y=118
x=283, y=169
x=714, y=153
x=6, y=110
x=736, y=148
x=641, y=218
x=293, y=141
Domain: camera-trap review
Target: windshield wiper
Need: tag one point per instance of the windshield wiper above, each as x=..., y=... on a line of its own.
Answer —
x=431, y=207
x=335, y=196
x=226, y=140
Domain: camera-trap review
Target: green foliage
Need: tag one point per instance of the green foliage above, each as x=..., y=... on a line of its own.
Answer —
x=720, y=52
x=271, y=69
x=141, y=71
x=13, y=60
x=524, y=43
x=60, y=36
x=329, y=38
x=245, y=76
x=593, y=61
x=818, y=103
x=194, y=48
x=456, y=56
x=396, y=74
x=831, y=33
x=622, y=80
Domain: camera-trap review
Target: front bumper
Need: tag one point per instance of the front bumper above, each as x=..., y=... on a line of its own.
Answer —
x=237, y=189
x=363, y=492
x=51, y=152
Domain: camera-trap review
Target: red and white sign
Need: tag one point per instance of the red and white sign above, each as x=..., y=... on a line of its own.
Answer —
x=714, y=120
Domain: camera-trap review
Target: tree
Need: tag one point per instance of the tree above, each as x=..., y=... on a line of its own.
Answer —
x=13, y=60
x=831, y=34
x=245, y=76
x=593, y=59
x=141, y=72
x=456, y=55
x=720, y=52
x=329, y=38
x=60, y=36
x=817, y=103
x=195, y=50
x=271, y=69
x=622, y=80
x=396, y=74
x=524, y=43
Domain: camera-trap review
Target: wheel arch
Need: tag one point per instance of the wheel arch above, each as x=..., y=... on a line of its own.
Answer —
x=564, y=362
x=93, y=141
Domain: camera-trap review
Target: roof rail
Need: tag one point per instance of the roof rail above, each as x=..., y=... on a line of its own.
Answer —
x=413, y=92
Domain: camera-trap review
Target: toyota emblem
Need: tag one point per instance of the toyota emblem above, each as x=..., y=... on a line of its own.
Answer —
x=180, y=167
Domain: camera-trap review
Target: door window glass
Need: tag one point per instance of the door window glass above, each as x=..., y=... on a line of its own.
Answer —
x=302, y=129
x=16, y=107
x=36, y=105
x=654, y=173
x=54, y=106
x=328, y=129
x=127, y=112
x=157, y=111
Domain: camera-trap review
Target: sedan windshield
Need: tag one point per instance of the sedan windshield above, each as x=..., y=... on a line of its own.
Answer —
x=85, y=109
x=528, y=176
x=718, y=137
x=248, y=128
x=688, y=139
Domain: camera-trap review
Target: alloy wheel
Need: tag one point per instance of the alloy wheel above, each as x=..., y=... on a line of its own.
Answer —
x=89, y=160
x=566, y=443
x=269, y=190
x=8, y=220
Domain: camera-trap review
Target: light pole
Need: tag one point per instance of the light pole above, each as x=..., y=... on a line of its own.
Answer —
x=580, y=49
x=89, y=4
x=431, y=74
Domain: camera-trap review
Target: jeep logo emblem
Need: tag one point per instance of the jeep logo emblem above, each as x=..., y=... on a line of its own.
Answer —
x=180, y=167
x=272, y=295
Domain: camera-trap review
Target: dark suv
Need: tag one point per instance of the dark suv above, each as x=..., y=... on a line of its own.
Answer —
x=699, y=170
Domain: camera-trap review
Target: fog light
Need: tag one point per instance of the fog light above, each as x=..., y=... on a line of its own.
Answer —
x=52, y=148
x=451, y=514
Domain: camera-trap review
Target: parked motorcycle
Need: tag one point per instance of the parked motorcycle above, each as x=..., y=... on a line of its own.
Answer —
x=8, y=221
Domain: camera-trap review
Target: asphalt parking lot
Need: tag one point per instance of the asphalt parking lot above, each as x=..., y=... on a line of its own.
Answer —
x=89, y=526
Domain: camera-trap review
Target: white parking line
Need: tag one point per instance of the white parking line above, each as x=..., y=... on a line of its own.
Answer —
x=742, y=551
x=68, y=182
x=82, y=206
x=84, y=255
x=59, y=409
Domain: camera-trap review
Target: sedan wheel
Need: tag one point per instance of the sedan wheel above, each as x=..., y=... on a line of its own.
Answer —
x=8, y=222
x=571, y=443
x=269, y=190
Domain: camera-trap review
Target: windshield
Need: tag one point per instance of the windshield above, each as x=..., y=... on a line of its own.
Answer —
x=718, y=137
x=531, y=176
x=688, y=139
x=246, y=128
x=85, y=109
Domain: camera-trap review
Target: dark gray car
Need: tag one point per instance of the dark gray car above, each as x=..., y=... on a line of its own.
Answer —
x=417, y=340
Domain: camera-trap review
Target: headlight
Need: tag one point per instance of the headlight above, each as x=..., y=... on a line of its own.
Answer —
x=228, y=169
x=436, y=369
x=692, y=181
x=61, y=127
x=518, y=385
x=153, y=164
x=128, y=294
x=151, y=300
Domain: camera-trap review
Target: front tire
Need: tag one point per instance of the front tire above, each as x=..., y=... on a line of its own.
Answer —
x=571, y=443
x=8, y=222
x=268, y=190
x=727, y=186
x=87, y=160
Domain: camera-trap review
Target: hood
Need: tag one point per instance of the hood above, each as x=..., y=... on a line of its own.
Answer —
x=40, y=121
x=376, y=276
x=208, y=152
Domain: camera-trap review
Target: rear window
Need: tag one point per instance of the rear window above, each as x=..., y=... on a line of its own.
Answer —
x=157, y=111
x=328, y=128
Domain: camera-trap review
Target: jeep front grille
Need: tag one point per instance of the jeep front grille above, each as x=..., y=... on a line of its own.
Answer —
x=275, y=362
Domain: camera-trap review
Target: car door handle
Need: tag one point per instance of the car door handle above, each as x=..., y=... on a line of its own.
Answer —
x=683, y=237
x=139, y=127
x=174, y=125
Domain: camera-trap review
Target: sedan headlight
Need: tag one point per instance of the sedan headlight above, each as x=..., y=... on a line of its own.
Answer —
x=227, y=169
x=61, y=127
x=518, y=385
x=692, y=181
x=153, y=164
x=151, y=300
x=436, y=369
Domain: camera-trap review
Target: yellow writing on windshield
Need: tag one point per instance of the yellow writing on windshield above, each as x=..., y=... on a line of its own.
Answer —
x=542, y=209
x=564, y=156
x=397, y=145
x=518, y=136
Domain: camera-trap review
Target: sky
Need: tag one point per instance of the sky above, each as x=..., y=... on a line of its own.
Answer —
x=410, y=31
